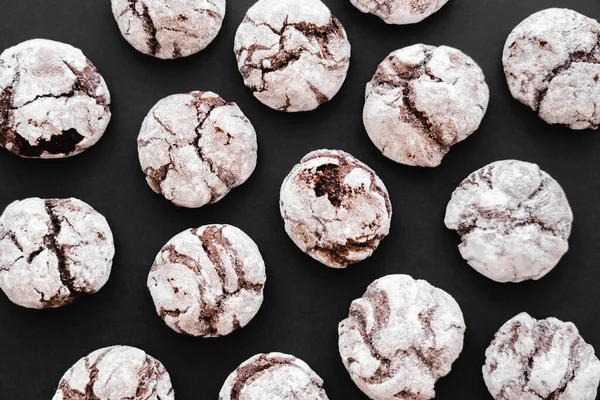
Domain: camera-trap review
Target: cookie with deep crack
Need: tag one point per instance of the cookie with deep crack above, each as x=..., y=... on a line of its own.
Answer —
x=514, y=221
x=552, y=64
x=400, y=12
x=293, y=54
x=195, y=147
x=335, y=208
x=400, y=338
x=273, y=376
x=114, y=373
x=53, y=251
x=532, y=359
x=53, y=101
x=169, y=28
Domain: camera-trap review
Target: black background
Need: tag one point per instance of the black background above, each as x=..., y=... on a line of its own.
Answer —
x=304, y=300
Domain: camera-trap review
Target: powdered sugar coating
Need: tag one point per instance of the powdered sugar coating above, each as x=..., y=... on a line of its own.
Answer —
x=546, y=359
x=514, y=221
x=552, y=64
x=400, y=338
x=335, y=208
x=400, y=12
x=293, y=54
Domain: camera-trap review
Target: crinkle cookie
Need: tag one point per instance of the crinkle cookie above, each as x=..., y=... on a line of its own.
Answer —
x=400, y=12
x=115, y=373
x=421, y=101
x=400, y=338
x=208, y=281
x=335, y=208
x=53, y=101
x=552, y=64
x=293, y=54
x=195, y=147
x=169, y=28
x=514, y=221
x=533, y=359
x=273, y=376
x=52, y=251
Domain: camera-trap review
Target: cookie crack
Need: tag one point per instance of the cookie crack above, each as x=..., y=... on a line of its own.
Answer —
x=147, y=23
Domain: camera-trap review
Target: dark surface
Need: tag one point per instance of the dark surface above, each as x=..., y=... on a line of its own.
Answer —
x=304, y=300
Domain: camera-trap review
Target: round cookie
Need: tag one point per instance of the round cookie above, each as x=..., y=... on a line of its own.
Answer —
x=400, y=338
x=293, y=54
x=400, y=12
x=514, y=221
x=53, y=101
x=52, y=251
x=195, y=147
x=208, y=281
x=335, y=208
x=533, y=359
x=552, y=64
x=117, y=372
x=169, y=28
x=421, y=101
x=273, y=376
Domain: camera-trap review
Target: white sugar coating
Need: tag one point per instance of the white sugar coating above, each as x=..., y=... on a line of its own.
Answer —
x=195, y=147
x=335, y=208
x=169, y=28
x=514, y=221
x=293, y=54
x=52, y=251
x=422, y=100
x=53, y=101
x=116, y=373
x=533, y=359
x=400, y=12
x=273, y=376
x=400, y=338
x=208, y=281
x=552, y=64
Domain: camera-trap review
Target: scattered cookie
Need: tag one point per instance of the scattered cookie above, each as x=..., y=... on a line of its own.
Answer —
x=514, y=221
x=52, y=251
x=335, y=208
x=53, y=101
x=195, y=147
x=293, y=54
x=400, y=338
x=400, y=12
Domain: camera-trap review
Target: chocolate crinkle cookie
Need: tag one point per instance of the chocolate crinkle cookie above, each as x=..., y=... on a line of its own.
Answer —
x=533, y=359
x=273, y=376
x=53, y=101
x=293, y=54
x=400, y=12
x=335, y=208
x=552, y=64
x=421, y=101
x=169, y=28
x=514, y=221
x=52, y=251
x=116, y=373
x=195, y=147
x=400, y=338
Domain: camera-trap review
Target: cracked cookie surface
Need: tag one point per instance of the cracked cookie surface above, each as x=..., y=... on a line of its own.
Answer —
x=400, y=338
x=547, y=359
x=293, y=54
x=335, y=208
x=195, y=147
x=53, y=101
x=52, y=251
x=400, y=12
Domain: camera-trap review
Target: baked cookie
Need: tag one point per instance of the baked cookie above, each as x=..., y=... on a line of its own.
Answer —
x=53, y=101
x=400, y=338
x=335, y=208
x=514, y=221
x=546, y=359
x=552, y=64
x=421, y=101
x=52, y=251
x=169, y=28
x=400, y=12
x=195, y=147
x=293, y=54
